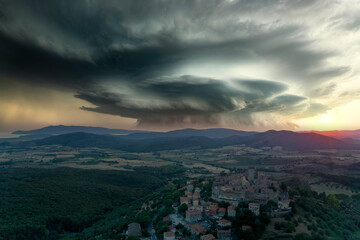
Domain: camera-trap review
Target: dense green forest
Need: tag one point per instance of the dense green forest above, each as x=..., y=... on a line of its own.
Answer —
x=43, y=203
x=326, y=216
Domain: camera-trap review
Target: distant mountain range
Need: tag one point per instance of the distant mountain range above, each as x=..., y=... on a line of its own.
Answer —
x=142, y=141
x=61, y=129
x=285, y=139
x=339, y=134
x=188, y=132
x=134, y=134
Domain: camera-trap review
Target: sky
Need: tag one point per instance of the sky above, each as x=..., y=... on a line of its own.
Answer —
x=161, y=65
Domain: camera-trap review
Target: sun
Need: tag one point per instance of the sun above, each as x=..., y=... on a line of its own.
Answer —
x=325, y=118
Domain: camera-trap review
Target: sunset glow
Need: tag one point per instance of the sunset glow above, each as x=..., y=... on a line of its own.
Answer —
x=246, y=66
x=342, y=117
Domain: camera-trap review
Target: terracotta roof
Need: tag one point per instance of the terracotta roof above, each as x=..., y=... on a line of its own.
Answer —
x=212, y=212
x=224, y=221
x=222, y=209
x=198, y=227
x=207, y=237
x=245, y=227
x=169, y=234
x=231, y=207
x=193, y=212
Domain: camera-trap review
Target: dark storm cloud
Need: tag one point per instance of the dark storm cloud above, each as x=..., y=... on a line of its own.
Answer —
x=192, y=99
x=79, y=45
x=32, y=63
x=141, y=37
x=262, y=87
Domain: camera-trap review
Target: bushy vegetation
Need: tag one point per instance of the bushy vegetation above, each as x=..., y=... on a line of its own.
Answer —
x=351, y=182
x=246, y=217
x=43, y=203
x=329, y=216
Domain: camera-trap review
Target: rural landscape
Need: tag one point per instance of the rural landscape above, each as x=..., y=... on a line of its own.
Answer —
x=179, y=120
x=81, y=185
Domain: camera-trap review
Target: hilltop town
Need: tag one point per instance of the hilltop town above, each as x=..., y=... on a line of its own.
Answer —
x=215, y=208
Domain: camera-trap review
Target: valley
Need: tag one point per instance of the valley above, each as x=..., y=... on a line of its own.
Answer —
x=120, y=185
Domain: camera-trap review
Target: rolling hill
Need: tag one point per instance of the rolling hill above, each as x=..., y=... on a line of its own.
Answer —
x=285, y=139
x=339, y=134
x=210, y=133
x=134, y=134
x=299, y=141
x=61, y=129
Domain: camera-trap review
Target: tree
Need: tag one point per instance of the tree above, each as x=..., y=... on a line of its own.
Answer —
x=290, y=227
x=247, y=235
x=270, y=205
x=277, y=226
x=293, y=207
x=283, y=187
x=179, y=226
x=132, y=238
x=223, y=204
x=302, y=236
x=183, y=208
x=332, y=201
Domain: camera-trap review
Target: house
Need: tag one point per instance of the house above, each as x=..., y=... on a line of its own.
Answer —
x=207, y=237
x=193, y=216
x=172, y=228
x=169, y=236
x=246, y=227
x=185, y=200
x=190, y=188
x=195, y=202
x=231, y=211
x=221, y=212
x=188, y=194
x=211, y=213
x=196, y=207
x=205, y=204
x=134, y=229
x=197, y=189
x=224, y=234
x=255, y=208
x=284, y=205
x=224, y=223
x=196, y=195
x=166, y=219
x=197, y=229
x=213, y=207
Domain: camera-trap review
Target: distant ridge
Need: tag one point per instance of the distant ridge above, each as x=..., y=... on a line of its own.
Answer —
x=61, y=129
x=285, y=139
x=299, y=141
x=187, y=132
x=135, y=134
x=339, y=134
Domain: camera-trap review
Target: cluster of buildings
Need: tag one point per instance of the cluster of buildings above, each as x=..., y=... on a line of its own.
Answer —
x=251, y=186
x=199, y=210
x=200, y=216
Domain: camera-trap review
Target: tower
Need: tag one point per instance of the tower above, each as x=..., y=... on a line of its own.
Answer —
x=251, y=173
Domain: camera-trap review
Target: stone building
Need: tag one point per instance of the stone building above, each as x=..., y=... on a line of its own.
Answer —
x=134, y=229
